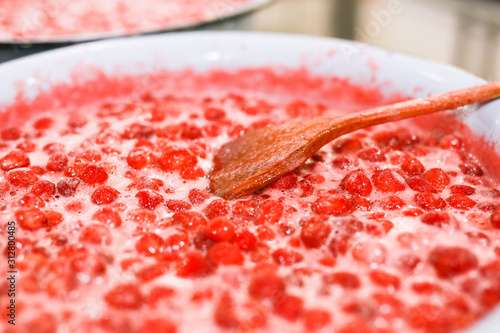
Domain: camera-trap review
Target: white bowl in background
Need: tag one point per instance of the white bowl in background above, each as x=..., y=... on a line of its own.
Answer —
x=222, y=15
x=233, y=50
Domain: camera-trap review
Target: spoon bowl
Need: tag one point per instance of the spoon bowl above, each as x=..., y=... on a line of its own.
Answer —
x=259, y=157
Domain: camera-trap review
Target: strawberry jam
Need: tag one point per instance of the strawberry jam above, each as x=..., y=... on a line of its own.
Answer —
x=389, y=229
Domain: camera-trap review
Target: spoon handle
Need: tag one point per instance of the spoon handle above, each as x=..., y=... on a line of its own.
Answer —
x=422, y=106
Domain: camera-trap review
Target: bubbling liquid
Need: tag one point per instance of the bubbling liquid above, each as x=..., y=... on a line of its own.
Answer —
x=389, y=229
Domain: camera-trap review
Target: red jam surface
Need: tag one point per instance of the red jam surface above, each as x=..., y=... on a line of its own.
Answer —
x=390, y=229
x=38, y=20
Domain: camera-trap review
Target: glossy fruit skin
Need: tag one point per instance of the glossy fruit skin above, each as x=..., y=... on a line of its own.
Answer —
x=357, y=183
x=14, y=159
x=451, y=261
x=124, y=297
x=104, y=195
x=388, y=181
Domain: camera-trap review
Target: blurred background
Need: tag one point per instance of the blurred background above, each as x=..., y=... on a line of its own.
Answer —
x=465, y=33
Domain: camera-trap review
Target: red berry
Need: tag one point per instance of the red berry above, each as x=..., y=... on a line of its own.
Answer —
x=314, y=234
x=357, y=183
x=104, y=195
x=315, y=178
x=89, y=264
x=178, y=205
x=426, y=288
x=265, y=283
x=124, y=297
x=245, y=240
x=381, y=228
x=288, y=307
x=412, y=166
x=451, y=142
x=108, y=216
x=177, y=160
x=344, y=163
x=136, y=130
x=75, y=168
x=429, y=201
x=96, y=234
x=217, y=207
x=214, y=114
x=388, y=181
x=194, y=265
x=225, y=254
x=149, y=199
x=26, y=146
x=384, y=279
x=189, y=220
x=4, y=189
x=245, y=210
x=146, y=183
x=57, y=162
x=158, y=325
x=316, y=319
x=192, y=172
x=67, y=186
x=461, y=202
x=286, y=182
x=393, y=203
x=53, y=217
x=357, y=325
x=89, y=155
x=176, y=242
x=160, y=293
x=344, y=279
x=15, y=159
x=347, y=145
x=369, y=252
x=191, y=132
x=77, y=120
x=225, y=315
x=197, y=196
x=170, y=132
x=471, y=169
x=437, y=219
x=462, y=190
x=491, y=270
x=372, y=155
x=142, y=216
x=43, y=123
x=22, y=177
x=490, y=297
x=429, y=317
x=140, y=158
x=10, y=134
x=437, y=178
x=408, y=263
x=420, y=185
x=94, y=175
x=44, y=189
x=452, y=260
x=149, y=244
x=287, y=257
x=31, y=219
x=219, y=229
x=31, y=200
x=270, y=212
x=339, y=245
x=495, y=218
x=332, y=205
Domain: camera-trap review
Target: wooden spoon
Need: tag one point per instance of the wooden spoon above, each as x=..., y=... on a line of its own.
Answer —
x=259, y=157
